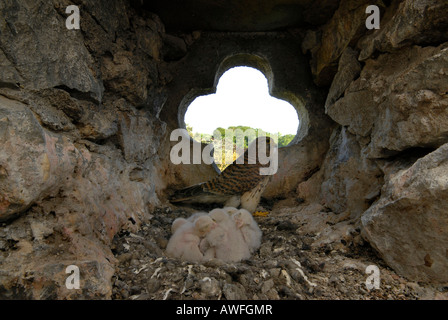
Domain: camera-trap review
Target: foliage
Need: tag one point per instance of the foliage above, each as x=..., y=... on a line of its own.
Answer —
x=225, y=157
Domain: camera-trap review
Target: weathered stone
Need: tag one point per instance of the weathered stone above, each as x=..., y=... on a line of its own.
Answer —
x=296, y=164
x=120, y=204
x=403, y=98
x=149, y=35
x=52, y=118
x=348, y=69
x=408, y=224
x=110, y=15
x=420, y=22
x=33, y=161
x=174, y=48
x=43, y=51
x=345, y=27
x=40, y=230
x=234, y=292
x=311, y=42
x=61, y=100
x=309, y=190
x=135, y=135
x=122, y=75
x=210, y=287
x=98, y=122
x=262, y=15
x=74, y=195
x=351, y=182
x=8, y=73
x=267, y=286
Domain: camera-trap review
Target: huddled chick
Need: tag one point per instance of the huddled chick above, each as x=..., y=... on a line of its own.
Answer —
x=248, y=228
x=230, y=210
x=184, y=243
x=225, y=242
x=218, y=236
x=177, y=223
x=227, y=234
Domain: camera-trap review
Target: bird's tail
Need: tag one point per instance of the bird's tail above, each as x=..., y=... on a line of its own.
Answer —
x=186, y=194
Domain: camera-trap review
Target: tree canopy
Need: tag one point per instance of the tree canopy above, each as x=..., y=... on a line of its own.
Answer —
x=231, y=155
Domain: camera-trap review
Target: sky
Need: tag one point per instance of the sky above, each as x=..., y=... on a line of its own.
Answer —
x=242, y=98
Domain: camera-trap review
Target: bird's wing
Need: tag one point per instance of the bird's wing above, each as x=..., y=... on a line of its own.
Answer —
x=235, y=179
x=239, y=177
x=197, y=194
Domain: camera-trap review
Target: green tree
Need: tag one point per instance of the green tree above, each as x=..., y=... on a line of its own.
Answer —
x=284, y=140
x=220, y=154
x=190, y=130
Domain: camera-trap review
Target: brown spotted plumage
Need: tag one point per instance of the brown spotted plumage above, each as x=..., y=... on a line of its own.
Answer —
x=239, y=184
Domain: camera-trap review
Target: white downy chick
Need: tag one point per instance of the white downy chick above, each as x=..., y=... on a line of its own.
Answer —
x=248, y=228
x=196, y=215
x=177, y=223
x=180, y=221
x=184, y=243
x=230, y=210
x=217, y=237
x=226, y=240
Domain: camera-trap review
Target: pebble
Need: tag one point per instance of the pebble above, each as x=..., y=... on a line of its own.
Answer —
x=275, y=272
x=153, y=285
x=234, y=291
x=210, y=287
x=286, y=225
x=267, y=285
x=124, y=257
x=3, y=245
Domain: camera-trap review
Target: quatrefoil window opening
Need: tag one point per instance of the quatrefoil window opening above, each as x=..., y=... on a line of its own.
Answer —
x=242, y=100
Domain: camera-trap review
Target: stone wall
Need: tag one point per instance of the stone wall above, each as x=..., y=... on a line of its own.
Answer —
x=79, y=139
x=278, y=56
x=85, y=118
x=386, y=162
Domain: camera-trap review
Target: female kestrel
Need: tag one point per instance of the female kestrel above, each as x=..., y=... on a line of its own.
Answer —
x=241, y=184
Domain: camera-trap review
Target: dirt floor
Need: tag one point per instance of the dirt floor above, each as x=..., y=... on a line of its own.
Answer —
x=306, y=253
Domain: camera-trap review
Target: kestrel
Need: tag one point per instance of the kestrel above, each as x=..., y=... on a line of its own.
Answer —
x=241, y=184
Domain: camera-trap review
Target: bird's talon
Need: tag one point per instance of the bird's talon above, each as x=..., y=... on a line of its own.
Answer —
x=260, y=213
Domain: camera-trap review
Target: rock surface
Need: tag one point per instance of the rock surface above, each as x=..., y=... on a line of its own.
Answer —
x=391, y=102
x=33, y=161
x=344, y=29
x=35, y=41
x=403, y=98
x=350, y=182
x=422, y=23
x=412, y=215
x=76, y=162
